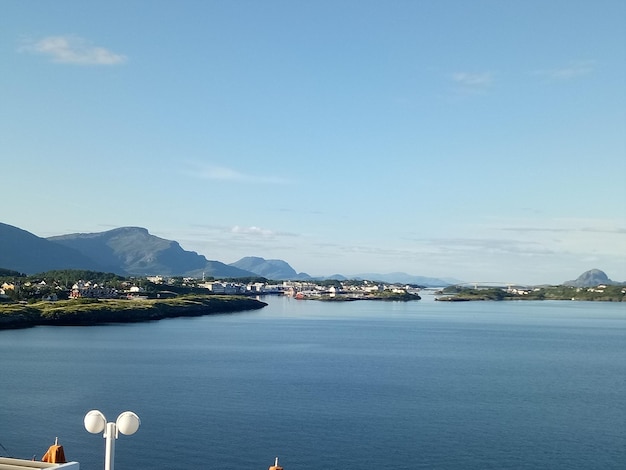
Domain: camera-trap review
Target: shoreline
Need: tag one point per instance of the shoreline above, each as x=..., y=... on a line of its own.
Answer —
x=99, y=312
x=461, y=298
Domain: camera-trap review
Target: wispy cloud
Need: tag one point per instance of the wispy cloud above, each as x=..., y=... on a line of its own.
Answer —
x=488, y=245
x=568, y=72
x=621, y=231
x=222, y=173
x=472, y=82
x=203, y=230
x=224, y=242
x=572, y=236
x=255, y=231
x=72, y=50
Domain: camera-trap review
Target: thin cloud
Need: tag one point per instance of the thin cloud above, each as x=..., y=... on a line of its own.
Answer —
x=200, y=230
x=567, y=230
x=611, y=230
x=487, y=246
x=251, y=231
x=260, y=232
x=473, y=79
x=568, y=72
x=222, y=173
x=472, y=82
x=300, y=211
x=73, y=50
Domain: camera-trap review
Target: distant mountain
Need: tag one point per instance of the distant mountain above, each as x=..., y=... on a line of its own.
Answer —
x=403, y=278
x=134, y=251
x=592, y=278
x=29, y=254
x=269, y=268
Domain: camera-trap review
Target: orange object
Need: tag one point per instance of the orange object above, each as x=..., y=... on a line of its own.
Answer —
x=276, y=466
x=55, y=453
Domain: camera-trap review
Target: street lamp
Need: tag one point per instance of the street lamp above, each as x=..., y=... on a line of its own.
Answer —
x=127, y=423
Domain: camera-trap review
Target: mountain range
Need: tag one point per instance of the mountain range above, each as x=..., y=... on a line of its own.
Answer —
x=132, y=251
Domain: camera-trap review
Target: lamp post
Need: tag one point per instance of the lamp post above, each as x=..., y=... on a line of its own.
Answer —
x=127, y=423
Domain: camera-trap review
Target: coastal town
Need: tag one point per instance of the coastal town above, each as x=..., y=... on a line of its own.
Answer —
x=98, y=286
x=164, y=287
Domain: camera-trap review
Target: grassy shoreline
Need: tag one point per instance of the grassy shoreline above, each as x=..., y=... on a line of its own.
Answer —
x=606, y=294
x=85, y=312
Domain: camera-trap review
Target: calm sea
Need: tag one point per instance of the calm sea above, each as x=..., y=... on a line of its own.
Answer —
x=355, y=385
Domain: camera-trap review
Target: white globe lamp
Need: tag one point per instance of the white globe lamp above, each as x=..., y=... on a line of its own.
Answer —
x=127, y=423
x=95, y=422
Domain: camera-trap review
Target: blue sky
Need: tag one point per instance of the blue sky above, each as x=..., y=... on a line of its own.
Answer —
x=480, y=140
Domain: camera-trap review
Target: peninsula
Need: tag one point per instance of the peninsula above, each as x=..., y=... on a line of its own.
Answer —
x=601, y=293
x=86, y=311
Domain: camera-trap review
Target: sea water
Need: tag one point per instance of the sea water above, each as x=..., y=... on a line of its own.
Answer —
x=325, y=385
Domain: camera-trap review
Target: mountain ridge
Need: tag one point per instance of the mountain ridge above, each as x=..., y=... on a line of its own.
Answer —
x=27, y=253
x=134, y=251
x=269, y=268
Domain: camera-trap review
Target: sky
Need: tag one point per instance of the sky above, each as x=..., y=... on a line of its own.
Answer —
x=478, y=140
